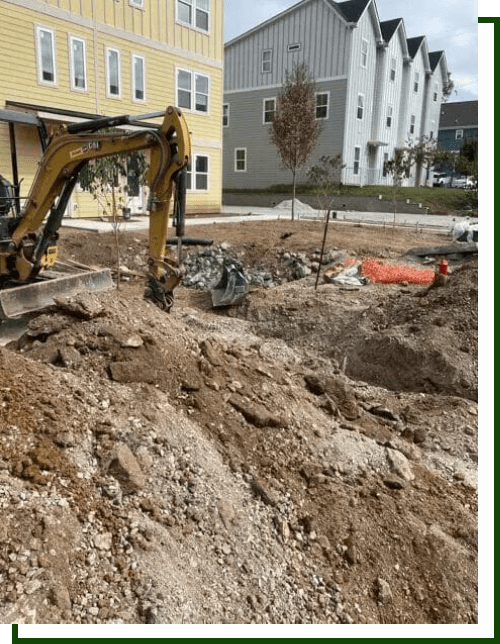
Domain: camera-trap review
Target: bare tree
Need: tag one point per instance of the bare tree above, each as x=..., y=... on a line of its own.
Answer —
x=295, y=129
x=325, y=176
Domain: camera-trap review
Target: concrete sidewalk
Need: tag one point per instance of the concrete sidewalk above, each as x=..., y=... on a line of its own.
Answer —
x=238, y=214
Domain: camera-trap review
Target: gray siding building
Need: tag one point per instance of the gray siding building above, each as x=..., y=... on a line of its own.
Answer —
x=375, y=90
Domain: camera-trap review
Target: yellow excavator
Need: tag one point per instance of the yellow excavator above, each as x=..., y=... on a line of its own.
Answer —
x=28, y=236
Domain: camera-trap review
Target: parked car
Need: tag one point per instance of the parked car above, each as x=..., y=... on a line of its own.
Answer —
x=440, y=180
x=462, y=182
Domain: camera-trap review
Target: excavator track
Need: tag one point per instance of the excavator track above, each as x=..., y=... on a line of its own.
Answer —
x=20, y=300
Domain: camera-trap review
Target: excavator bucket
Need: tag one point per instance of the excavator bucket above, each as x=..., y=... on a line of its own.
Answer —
x=231, y=288
x=19, y=300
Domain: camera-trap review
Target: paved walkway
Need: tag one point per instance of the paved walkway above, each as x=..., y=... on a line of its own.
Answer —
x=237, y=214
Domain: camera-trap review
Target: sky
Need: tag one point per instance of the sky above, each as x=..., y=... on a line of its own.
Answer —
x=450, y=25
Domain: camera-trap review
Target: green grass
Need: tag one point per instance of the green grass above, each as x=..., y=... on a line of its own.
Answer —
x=433, y=198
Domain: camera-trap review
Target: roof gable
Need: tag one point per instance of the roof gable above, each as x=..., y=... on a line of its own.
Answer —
x=414, y=45
x=434, y=58
x=459, y=114
x=353, y=9
x=388, y=28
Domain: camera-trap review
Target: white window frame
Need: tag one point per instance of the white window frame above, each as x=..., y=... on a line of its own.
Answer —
x=459, y=138
x=394, y=66
x=360, y=107
x=364, y=53
x=74, y=88
x=389, y=116
x=236, y=150
x=436, y=92
x=264, y=111
x=358, y=161
x=194, y=6
x=139, y=4
x=41, y=81
x=132, y=74
x=224, y=115
x=270, y=61
x=193, y=74
x=416, y=82
x=413, y=120
x=323, y=118
x=194, y=174
x=108, y=93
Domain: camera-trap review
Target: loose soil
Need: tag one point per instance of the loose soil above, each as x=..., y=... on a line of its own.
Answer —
x=307, y=456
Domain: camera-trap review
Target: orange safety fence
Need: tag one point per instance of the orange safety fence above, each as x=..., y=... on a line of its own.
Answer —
x=380, y=273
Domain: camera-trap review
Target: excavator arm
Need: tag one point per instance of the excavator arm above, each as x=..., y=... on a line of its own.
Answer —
x=28, y=241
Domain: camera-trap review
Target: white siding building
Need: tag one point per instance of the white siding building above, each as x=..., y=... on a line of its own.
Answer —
x=376, y=90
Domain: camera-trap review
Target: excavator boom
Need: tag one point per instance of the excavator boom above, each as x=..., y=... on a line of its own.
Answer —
x=28, y=241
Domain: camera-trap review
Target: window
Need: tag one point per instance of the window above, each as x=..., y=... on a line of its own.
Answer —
x=201, y=173
x=186, y=81
x=184, y=89
x=322, y=105
x=113, y=73
x=198, y=182
x=361, y=104
x=194, y=13
x=415, y=84
x=389, y=115
x=436, y=91
x=393, y=69
x=46, y=56
x=225, y=115
x=240, y=160
x=267, y=63
x=412, y=124
x=295, y=47
x=357, y=156
x=364, y=52
x=384, y=167
x=137, y=3
x=269, y=110
x=138, y=74
x=431, y=135
x=78, y=64
x=459, y=135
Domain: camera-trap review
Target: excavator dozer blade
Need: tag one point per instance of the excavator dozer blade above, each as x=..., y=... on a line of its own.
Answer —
x=231, y=288
x=33, y=297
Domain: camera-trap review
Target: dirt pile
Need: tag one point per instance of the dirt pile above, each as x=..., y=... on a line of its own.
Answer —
x=203, y=468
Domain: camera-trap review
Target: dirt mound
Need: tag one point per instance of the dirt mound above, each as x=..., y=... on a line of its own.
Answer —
x=202, y=467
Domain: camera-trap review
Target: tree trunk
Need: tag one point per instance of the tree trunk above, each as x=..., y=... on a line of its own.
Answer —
x=293, y=196
x=117, y=241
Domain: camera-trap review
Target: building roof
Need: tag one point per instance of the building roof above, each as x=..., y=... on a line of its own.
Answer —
x=388, y=28
x=434, y=58
x=459, y=114
x=352, y=10
x=414, y=45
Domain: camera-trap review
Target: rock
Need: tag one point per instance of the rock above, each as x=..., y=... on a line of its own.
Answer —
x=336, y=389
x=103, y=541
x=226, y=513
x=144, y=458
x=323, y=541
x=133, y=341
x=85, y=306
x=127, y=372
x=59, y=596
x=384, y=592
x=126, y=470
x=45, y=325
x=419, y=435
x=283, y=528
x=394, y=483
x=255, y=413
x=32, y=586
x=262, y=492
x=210, y=353
x=400, y=464
x=69, y=357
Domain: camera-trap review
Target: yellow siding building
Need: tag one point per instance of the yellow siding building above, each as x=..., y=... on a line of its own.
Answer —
x=65, y=60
